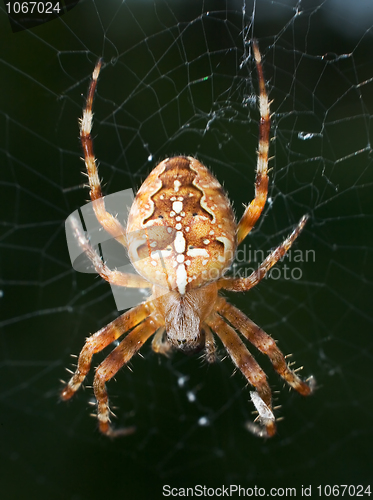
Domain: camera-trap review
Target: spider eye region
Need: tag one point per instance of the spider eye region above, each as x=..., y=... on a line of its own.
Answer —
x=193, y=226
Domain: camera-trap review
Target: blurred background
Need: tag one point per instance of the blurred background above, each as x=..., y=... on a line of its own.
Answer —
x=178, y=78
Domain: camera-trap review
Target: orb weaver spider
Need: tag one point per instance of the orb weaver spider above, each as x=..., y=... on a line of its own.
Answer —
x=184, y=266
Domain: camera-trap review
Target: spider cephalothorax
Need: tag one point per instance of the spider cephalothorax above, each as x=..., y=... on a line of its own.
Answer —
x=181, y=237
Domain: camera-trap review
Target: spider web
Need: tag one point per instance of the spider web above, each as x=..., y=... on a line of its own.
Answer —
x=179, y=79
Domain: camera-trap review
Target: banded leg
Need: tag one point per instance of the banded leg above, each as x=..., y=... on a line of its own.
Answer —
x=244, y=284
x=98, y=341
x=110, y=366
x=253, y=211
x=265, y=344
x=107, y=220
x=114, y=277
x=262, y=397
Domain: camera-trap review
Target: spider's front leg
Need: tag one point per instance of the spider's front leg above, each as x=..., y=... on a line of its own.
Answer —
x=111, y=365
x=253, y=211
x=106, y=219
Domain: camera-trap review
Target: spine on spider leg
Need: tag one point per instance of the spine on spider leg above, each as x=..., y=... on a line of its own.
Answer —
x=86, y=139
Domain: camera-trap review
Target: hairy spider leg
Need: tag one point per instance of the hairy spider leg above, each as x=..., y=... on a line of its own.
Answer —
x=107, y=220
x=210, y=347
x=111, y=365
x=254, y=209
x=244, y=284
x=114, y=277
x=98, y=341
x=251, y=370
x=264, y=343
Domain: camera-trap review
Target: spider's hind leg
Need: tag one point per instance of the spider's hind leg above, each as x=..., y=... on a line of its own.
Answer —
x=98, y=341
x=261, y=397
x=265, y=344
x=120, y=356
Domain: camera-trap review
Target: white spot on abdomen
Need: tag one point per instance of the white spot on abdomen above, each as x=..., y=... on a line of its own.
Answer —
x=181, y=278
x=179, y=242
x=197, y=252
x=177, y=206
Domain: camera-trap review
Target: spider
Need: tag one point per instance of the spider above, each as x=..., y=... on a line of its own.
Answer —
x=181, y=237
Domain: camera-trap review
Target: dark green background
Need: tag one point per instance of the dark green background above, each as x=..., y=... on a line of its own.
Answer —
x=170, y=70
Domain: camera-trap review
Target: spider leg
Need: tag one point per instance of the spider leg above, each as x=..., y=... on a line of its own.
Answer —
x=107, y=220
x=110, y=366
x=210, y=347
x=244, y=284
x=265, y=344
x=112, y=276
x=253, y=211
x=160, y=345
x=98, y=341
x=262, y=397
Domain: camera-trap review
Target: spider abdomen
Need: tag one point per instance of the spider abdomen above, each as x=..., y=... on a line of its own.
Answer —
x=181, y=228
